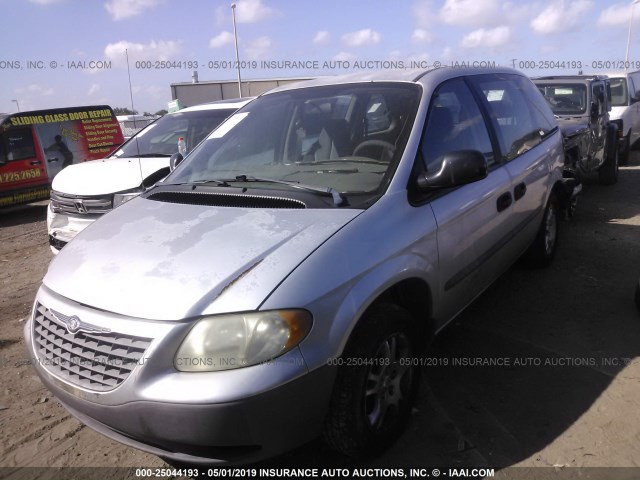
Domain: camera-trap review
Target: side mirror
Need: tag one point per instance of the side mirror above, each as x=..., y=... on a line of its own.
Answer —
x=457, y=168
x=155, y=177
x=594, y=110
x=635, y=98
x=175, y=160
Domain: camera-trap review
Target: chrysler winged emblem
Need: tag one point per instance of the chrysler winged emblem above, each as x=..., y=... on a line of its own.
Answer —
x=74, y=325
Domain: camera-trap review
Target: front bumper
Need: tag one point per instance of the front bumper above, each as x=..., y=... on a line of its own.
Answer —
x=245, y=431
x=227, y=417
x=63, y=227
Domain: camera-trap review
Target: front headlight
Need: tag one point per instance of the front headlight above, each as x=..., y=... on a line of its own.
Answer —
x=225, y=342
x=120, y=198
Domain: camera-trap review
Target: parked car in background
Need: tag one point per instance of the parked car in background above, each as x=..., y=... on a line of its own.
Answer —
x=625, y=111
x=582, y=104
x=83, y=193
x=36, y=145
x=132, y=124
x=284, y=280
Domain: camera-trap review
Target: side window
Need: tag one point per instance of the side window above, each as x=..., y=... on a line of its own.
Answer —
x=454, y=123
x=3, y=150
x=19, y=144
x=631, y=82
x=598, y=97
x=519, y=113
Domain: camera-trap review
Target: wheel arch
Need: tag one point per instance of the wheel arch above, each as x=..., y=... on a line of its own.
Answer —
x=412, y=294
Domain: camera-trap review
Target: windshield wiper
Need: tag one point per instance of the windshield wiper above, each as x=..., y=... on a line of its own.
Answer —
x=339, y=200
x=221, y=183
x=145, y=155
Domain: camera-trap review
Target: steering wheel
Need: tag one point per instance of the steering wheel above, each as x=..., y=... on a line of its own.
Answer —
x=385, y=146
x=565, y=102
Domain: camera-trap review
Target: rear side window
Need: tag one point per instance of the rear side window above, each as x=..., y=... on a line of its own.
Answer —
x=454, y=123
x=519, y=112
x=17, y=144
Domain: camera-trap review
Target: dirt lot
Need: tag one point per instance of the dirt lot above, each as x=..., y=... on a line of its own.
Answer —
x=569, y=396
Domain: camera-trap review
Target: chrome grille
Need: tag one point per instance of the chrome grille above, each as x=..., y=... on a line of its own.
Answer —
x=96, y=361
x=80, y=205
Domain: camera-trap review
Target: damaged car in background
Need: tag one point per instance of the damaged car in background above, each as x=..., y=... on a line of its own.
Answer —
x=582, y=103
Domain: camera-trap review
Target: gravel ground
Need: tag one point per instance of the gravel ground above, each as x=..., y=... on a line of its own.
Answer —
x=569, y=396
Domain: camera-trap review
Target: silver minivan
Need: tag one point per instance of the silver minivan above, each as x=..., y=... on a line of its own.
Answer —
x=283, y=281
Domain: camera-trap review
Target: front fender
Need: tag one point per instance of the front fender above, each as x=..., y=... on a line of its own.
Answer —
x=390, y=242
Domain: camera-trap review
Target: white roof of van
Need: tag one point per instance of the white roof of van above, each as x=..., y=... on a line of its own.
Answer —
x=233, y=103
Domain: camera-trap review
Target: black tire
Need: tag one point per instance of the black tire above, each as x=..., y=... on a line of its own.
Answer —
x=638, y=296
x=608, y=172
x=371, y=401
x=543, y=249
x=625, y=148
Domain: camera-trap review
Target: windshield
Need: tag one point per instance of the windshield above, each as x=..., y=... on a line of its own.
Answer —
x=565, y=99
x=619, y=93
x=161, y=137
x=346, y=137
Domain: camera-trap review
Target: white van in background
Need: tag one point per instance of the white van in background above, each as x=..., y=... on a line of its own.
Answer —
x=81, y=193
x=625, y=111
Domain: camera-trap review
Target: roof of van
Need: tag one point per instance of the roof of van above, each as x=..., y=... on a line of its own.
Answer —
x=620, y=73
x=412, y=76
x=234, y=103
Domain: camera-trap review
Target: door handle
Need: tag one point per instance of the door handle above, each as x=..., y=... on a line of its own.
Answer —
x=52, y=160
x=504, y=201
x=519, y=191
x=35, y=162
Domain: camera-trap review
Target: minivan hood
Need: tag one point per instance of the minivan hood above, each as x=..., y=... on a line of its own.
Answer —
x=109, y=175
x=166, y=261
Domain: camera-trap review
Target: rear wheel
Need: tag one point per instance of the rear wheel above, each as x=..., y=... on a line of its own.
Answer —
x=375, y=384
x=543, y=248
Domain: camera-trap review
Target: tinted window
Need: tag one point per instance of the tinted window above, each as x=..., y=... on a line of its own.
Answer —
x=518, y=111
x=454, y=123
x=18, y=144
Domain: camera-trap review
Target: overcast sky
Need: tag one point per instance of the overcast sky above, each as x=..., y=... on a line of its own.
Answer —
x=61, y=37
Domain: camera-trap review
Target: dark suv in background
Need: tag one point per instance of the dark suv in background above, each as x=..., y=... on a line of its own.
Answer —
x=582, y=103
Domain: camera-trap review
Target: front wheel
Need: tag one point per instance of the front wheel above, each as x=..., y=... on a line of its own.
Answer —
x=623, y=156
x=375, y=384
x=608, y=172
x=543, y=248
